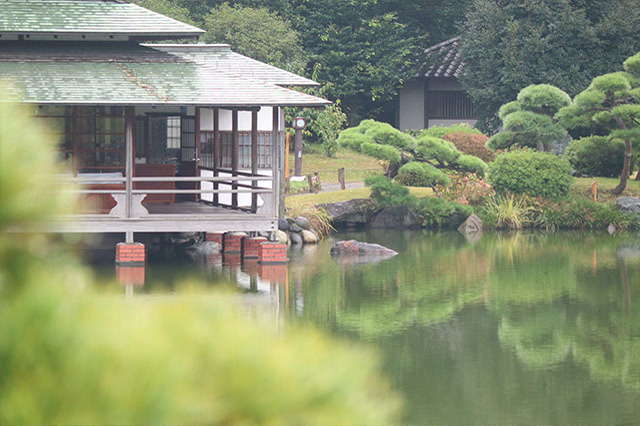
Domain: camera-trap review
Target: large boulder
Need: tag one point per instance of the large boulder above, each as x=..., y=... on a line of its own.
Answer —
x=282, y=237
x=294, y=228
x=357, y=248
x=351, y=213
x=295, y=238
x=303, y=222
x=309, y=237
x=629, y=205
x=283, y=225
x=395, y=218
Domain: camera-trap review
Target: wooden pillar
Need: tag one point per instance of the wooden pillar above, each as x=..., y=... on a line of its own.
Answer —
x=275, y=161
x=129, y=125
x=234, y=157
x=74, y=117
x=254, y=158
x=217, y=155
x=197, y=154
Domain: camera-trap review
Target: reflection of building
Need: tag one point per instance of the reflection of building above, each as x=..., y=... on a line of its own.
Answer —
x=161, y=138
x=436, y=97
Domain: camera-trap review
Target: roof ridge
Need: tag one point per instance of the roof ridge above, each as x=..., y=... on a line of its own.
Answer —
x=442, y=44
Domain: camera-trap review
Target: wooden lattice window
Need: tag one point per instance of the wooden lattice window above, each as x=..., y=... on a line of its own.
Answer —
x=454, y=104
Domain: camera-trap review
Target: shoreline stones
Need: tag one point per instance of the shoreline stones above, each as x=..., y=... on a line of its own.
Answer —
x=297, y=231
x=629, y=205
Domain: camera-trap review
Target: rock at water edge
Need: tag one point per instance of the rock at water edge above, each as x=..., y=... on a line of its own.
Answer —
x=629, y=204
x=295, y=238
x=282, y=237
x=303, y=222
x=308, y=237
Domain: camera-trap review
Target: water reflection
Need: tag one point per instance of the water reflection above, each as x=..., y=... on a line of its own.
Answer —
x=520, y=328
x=512, y=328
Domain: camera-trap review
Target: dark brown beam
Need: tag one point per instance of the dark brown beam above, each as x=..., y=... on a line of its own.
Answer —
x=234, y=156
x=197, y=155
x=217, y=155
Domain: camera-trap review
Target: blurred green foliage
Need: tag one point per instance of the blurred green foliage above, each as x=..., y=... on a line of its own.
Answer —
x=70, y=354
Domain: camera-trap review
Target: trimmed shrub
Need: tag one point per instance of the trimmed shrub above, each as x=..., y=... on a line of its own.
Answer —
x=442, y=214
x=421, y=174
x=469, y=163
x=533, y=173
x=580, y=214
x=471, y=144
x=596, y=156
x=387, y=193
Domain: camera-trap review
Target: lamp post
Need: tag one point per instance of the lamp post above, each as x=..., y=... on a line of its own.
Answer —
x=299, y=124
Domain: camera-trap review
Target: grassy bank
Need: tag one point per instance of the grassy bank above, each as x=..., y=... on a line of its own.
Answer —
x=357, y=166
x=582, y=188
x=347, y=194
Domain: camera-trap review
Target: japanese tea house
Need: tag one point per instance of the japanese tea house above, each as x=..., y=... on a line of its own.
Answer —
x=160, y=137
x=436, y=98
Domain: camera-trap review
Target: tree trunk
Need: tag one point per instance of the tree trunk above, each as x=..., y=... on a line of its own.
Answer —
x=626, y=166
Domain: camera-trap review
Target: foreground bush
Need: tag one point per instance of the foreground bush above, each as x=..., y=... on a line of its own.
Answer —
x=597, y=156
x=533, y=173
x=72, y=355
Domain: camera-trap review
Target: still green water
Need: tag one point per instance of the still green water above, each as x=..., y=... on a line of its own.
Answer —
x=512, y=329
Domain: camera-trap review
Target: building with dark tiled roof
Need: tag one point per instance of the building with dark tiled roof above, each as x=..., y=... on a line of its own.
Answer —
x=159, y=138
x=436, y=97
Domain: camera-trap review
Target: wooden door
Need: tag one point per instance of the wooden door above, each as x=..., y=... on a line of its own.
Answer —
x=189, y=157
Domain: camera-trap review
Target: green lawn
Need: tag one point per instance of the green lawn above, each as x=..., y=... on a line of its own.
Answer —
x=357, y=166
x=347, y=194
x=582, y=188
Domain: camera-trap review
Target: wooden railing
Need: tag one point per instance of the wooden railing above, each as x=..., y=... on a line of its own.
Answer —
x=128, y=201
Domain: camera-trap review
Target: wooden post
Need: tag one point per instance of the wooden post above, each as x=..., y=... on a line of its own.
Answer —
x=129, y=124
x=254, y=158
x=286, y=155
x=275, y=161
x=310, y=181
x=341, y=178
x=198, y=153
x=594, y=190
x=217, y=157
x=234, y=157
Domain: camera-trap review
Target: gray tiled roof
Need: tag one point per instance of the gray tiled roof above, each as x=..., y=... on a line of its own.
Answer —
x=443, y=59
x=220, y=56
x=88, y=17
x=111, y=73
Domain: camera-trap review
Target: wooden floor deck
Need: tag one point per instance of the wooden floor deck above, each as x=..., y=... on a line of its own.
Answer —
x=181, y=216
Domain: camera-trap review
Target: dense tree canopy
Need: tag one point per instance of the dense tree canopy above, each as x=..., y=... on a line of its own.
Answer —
x=509, y=45
x=528, y=121
x=612, y=102
x=257, y=33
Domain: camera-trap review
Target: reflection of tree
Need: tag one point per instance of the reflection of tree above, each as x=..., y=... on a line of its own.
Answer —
x=555, y=304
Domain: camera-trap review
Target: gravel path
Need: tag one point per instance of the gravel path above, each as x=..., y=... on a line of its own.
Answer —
x=330, y=187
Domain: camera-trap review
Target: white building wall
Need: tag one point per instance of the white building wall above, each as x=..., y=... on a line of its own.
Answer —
x=265, y=120
x=411, y=105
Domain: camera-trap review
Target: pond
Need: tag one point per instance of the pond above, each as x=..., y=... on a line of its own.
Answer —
x=511, y=329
